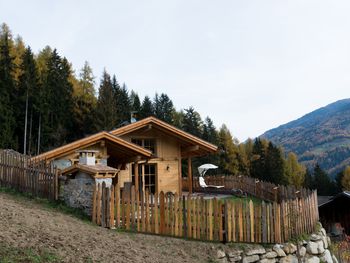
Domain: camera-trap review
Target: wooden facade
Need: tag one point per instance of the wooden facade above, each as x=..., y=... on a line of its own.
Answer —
x=147, y=153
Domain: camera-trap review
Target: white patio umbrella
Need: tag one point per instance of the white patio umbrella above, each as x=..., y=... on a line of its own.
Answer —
x=205, y=167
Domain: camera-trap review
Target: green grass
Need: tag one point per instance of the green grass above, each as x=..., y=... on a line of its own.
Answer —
x=9, y=254
x=244, y=199
x=58, y=206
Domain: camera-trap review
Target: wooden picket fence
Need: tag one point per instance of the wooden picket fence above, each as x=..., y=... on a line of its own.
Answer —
x=263, y=190
x=27, y=175
x=239, y=220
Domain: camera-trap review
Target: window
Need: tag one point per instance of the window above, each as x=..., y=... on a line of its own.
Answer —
x=149, y=144
x=150, y=178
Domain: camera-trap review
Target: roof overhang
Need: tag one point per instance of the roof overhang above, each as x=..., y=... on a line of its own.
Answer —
x=190, y=144
x=96, y=171
x=117, y=146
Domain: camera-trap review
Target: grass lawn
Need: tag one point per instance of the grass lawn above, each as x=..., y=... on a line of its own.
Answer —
x=255, y=200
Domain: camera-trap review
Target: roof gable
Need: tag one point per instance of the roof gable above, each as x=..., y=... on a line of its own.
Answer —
x=129, y=149
x=199, y=146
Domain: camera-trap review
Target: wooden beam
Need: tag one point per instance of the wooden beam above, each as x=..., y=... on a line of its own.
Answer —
x=189, y=175
x=190, y=149
x=136, y=174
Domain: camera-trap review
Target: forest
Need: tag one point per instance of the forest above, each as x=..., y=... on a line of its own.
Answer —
x=45, y=103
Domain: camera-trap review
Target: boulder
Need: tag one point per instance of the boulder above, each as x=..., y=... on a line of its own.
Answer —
x=271, y=254
x=312, y=248
x=315, y=237
x=235, y=258
x=255, y=250
x=220, y=254
x=325, y=242
x=326, y=257
x=323, y=231
x=234, y=253
x=335, y=260
x=267, y=260
x=312, y=259
x=278, y=249
x=320, y=247
x=302, y=251
x=289, y=259
x=249, y=259
x=289, y=248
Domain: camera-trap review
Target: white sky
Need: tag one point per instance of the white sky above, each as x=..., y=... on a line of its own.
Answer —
x=252, y=65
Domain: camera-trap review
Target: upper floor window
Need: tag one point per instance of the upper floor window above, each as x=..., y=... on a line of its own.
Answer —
x=149, y=144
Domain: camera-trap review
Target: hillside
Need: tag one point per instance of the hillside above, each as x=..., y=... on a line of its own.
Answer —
x=29, y=229
x=321, y=136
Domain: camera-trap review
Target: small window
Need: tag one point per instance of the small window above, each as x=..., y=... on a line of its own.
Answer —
x=149, y=144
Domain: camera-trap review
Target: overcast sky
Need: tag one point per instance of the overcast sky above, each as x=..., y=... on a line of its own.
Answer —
x=252, y=65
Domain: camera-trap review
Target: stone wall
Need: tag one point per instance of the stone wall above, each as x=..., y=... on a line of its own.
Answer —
x=78, y=192
x=314, y=250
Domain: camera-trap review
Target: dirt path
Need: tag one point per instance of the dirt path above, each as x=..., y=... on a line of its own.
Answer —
x=24, y=223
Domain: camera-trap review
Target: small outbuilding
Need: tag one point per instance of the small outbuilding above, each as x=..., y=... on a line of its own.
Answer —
x=335, y=213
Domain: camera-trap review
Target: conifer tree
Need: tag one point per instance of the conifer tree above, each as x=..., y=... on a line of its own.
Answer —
x=274, y=165
x=135, y=103
x=106, y=108
x=27, y=102
x=295, y=172
x=192, y=122
x=258, y=162
x=7, y=92
x=322, y=182
x=123, y=106
x=146, y=108
x=163, y=108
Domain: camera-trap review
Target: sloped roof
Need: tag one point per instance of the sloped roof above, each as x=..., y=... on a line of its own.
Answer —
x=345, y=194
x=126, y=148
x=91, y=169
x=185, y=138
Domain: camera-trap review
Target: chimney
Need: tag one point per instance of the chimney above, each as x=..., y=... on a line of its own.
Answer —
x=87, y=157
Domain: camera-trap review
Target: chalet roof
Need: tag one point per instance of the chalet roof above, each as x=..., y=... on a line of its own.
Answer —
x=344, y=194
x=91, y=169
x=117, y=146
x=191, y=145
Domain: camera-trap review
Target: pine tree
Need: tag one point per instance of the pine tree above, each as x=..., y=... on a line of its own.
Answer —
x=275, y=165
x=163, y=108
x=135, y=103
x=7, y=92
x=227, y=152
x=123, y=106
x=84, y=102
x=192, y=122
x=146, y=108
x=106, y=111
x=27, y=103
x=322, y=182
x=258, y=162
x=345, y=181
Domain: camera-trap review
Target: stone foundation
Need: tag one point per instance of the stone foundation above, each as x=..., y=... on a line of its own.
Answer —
x=315, y=250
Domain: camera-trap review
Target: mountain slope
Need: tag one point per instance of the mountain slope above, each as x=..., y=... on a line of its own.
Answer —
x=321, y=136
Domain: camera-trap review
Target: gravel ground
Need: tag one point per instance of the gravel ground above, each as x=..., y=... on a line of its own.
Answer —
x=26, y=224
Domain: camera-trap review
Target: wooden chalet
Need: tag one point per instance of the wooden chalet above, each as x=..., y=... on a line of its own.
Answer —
x=146, y=153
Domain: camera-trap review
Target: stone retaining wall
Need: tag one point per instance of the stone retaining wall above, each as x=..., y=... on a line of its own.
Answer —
x=314, y=250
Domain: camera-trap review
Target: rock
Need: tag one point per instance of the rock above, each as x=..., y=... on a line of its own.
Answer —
x=312, y=248
x=235, y=258
x=326, y=257
x=329, y=241
x=289, y=259
x=256, y=250
x=249, y=259
x=220, y=254
x=267, y=260
x=320, y=247
x=335, y=260
x=271, y=254
x=315, y=237
x=302, y=251
x=289, y=248
x=234, y=253
x=325, y=242
x=312, y=259
x=323, y=231
x=222, y=260
x=277, y=248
